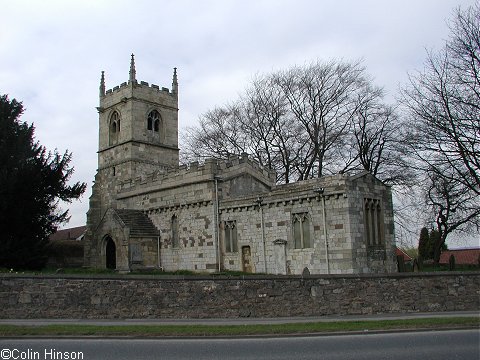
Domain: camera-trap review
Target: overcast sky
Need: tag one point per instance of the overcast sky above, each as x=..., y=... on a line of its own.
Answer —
x=52, y=53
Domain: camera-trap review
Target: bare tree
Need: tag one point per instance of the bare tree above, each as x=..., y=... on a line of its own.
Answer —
x=454, y=208
x=443, y=103
x=305, y=122
x=376, y=141
x=218, y=135
x=321, y=97
x=275, y=136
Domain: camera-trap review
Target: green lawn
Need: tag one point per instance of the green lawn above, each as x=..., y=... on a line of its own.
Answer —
x=237, y=330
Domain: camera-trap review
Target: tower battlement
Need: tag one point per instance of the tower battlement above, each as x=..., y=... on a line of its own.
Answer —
x=143, y=84
x=138, y=89
x=200, y=172
x=142, y=90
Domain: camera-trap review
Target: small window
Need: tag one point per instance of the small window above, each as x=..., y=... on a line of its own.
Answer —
x=301, y=231
x=153, y=121
x=175, y=242
x=230, y=236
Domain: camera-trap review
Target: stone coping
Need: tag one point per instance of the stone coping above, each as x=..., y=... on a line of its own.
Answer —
x=212, y=277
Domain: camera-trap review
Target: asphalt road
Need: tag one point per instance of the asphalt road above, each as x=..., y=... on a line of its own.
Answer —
x=425, y=345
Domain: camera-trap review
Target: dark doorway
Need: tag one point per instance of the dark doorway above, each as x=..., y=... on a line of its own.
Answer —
x=111, y=256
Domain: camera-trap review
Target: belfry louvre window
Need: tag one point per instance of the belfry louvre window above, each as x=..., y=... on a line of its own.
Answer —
x=373, y=219
x=230, y=236
x=153, y=121
x=115, y=122
x=301, y=231
x=114, y=128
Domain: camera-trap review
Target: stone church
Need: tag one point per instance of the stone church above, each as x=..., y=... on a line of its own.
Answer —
x=148, y=212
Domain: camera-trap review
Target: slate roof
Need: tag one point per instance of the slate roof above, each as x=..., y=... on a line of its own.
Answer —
x=462, y=256
x=139, y=223
x=75, y=233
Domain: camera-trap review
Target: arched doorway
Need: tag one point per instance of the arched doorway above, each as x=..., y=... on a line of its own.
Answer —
x=110, y=254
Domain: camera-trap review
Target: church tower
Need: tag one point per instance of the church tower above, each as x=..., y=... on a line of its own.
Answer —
x=138, y=127
x=138, y=135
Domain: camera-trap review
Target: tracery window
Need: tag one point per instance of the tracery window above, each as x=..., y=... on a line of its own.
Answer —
x=373, y=220
x=230, y=236
x=114, y=126
x=301, y=231
x=153, y=121
x=115, y=122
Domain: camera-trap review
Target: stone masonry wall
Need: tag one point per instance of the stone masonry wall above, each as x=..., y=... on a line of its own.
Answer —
x=214, y=297
x=264, y=232
x=343, y=226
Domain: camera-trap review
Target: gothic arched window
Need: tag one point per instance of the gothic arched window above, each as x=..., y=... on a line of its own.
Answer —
x=301, y=231
x=373, y=221
x=230, y=236
x=114, y=126
x=153, y=121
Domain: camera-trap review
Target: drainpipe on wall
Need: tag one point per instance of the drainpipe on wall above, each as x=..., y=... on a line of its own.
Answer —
x=215, y=223
x=320, y=191
x=325, y=234
x=159, y=263
x=262, y=225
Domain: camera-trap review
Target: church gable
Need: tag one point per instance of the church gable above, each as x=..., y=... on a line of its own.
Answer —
x=111, y=223
x=243, y=185
x=126, y=239
x=107, y=243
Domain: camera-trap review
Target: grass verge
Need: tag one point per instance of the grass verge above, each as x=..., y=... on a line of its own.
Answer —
x=236, y=330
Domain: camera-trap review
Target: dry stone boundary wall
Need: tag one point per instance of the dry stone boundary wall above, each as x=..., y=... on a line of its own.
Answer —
x=82, y=297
